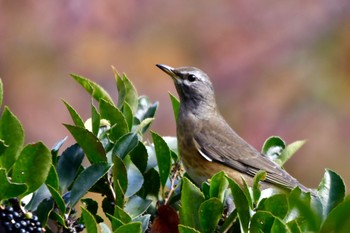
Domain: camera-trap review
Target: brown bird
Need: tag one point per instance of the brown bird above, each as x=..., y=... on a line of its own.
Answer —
x=207, y=144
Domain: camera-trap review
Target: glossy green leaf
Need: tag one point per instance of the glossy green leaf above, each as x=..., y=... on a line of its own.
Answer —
x=135, y=179
x=44, y=209
x=187, y=229
x=163, y=157
x=210, y=213
x=331, y=191
x=277, y=205
x=3, y=146
x=191, y=199
x=95, y=119
x=125, y=145
x=338, y=220
x=300, y=209
x=218, y=186
x=139, y=156
x=123, y=216
x=89, y=221
x=289, y=151
x=120, y=180
x=151, y=185
x=134, y=227
x=116, y=118
x=137, y=206
x=74, y=115
x=145, y=221
x=120, y=86
x=55, y=217
x=294, y=227
x=58, y=199
x=90, y=144
x=273, y=147
x=55, y=149
x=115, y=222
x=43, y=193
x=86, y=180
x=9, y=189
x=260, y=176
x=265, y=222
x=68, y=165
x=175, y=102
x=95, y=90
x=247, y=192
x=146, y=109
x=12, y=134
x=241, y=203
x=144, y=125
x=129, y=117
x=32, y=166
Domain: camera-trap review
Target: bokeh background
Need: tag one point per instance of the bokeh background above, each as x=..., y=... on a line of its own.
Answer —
x=278, y=67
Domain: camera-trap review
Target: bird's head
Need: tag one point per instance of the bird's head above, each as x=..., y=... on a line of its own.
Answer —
x=193, y=86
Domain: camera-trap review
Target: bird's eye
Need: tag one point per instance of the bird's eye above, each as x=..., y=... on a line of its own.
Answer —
x=191, y=78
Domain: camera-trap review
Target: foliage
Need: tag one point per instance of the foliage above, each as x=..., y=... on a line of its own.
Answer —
x=142, y=184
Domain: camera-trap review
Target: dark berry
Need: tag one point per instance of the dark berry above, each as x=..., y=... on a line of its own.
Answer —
x=79, y=227
x=9, y=209
x=9, y=217
x=2, y=215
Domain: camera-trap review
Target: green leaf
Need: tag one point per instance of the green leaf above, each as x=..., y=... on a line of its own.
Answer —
x=134, y=227
x=120, y=87
x=129, y=117
x=58, y=199
x=218, y=186
x=265, y=222
x=135, y=179
x=241, y=203
x=145, y=221
x=146, y=109
x=96, y=91
x=294, y=227
x=32, y=166
x=163, y=157
x=191, y=199
x=120, y=180
x=11, y=132
x=9, y=189
x=89, y=221
x=115, y=222
x=43, y=193
x=175, y=102
x=74, y=115
x=210, y=213
x=125, y=145
x=338, y=219
x=277, y=205
x=273, y=147
x=331, y=191
x=300, y=209
x=151, y=184
x=116, y=118
x=57, y=218
x=131, y=96
x=90, y=144
x=86, y=180
x=260, y=176
x=3, y=146
x=95, y=119
x=290, y=150
x=68, y=165
x=136, y=206
x=123, y=216
x=187, y=229
x=44, y=209
x=55, y=149
x=139, y=156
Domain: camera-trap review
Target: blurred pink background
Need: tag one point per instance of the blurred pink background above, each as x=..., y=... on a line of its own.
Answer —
x=278, y=67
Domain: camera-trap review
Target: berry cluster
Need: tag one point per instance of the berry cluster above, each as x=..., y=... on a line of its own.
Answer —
x=73, y=225
x=13, y=219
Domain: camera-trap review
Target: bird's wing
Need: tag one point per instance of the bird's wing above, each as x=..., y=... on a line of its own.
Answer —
x=222, y=144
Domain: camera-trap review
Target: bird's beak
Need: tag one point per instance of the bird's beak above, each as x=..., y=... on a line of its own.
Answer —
x=169, y=70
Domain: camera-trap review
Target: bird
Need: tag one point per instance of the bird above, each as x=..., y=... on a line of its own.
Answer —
x=206, y=142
